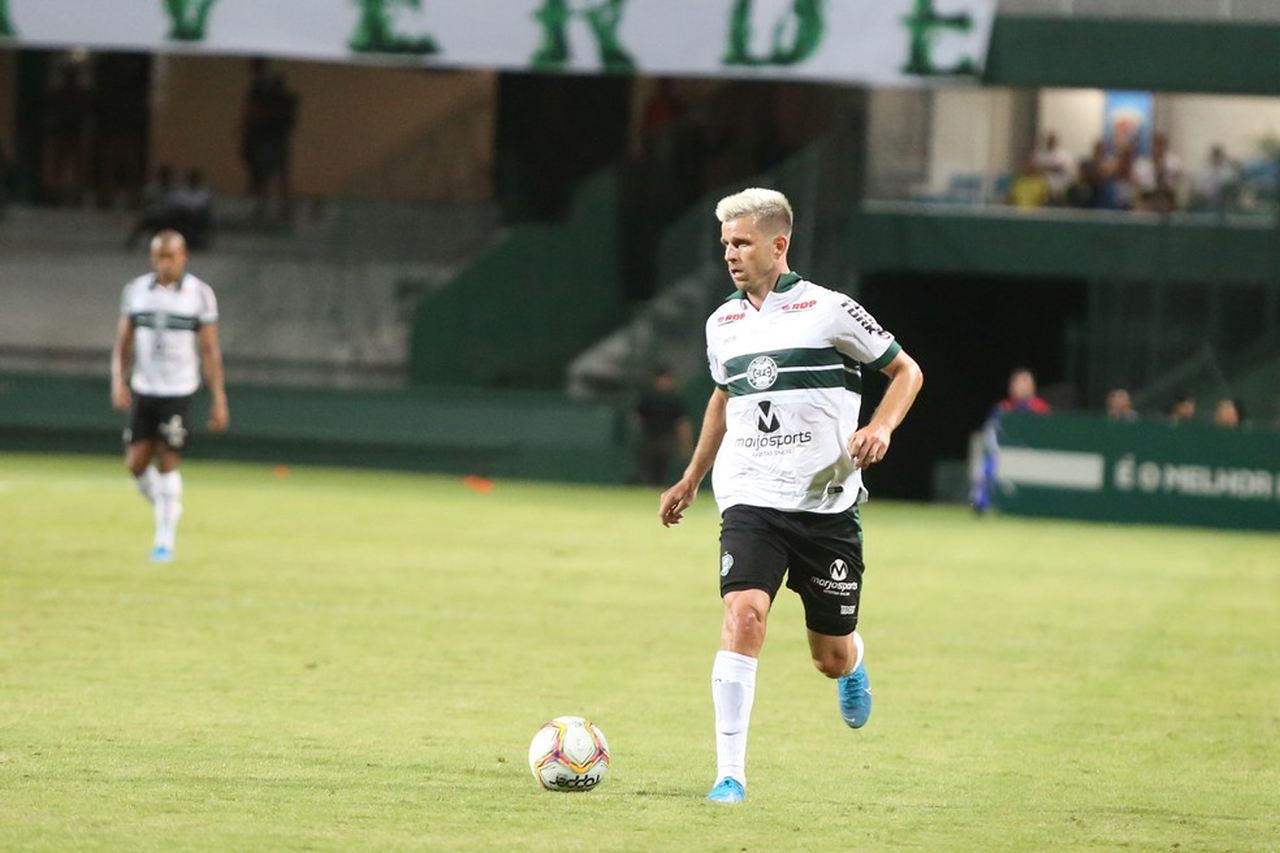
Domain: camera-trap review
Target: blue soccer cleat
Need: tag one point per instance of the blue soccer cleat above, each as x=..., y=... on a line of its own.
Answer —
x=162, y=554
x=727, y=790
x=854, y=692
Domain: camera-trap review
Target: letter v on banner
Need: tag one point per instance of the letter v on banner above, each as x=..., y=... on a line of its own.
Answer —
x=804, y=24
x=188, y=19
x=603, y=18
x=6, y=27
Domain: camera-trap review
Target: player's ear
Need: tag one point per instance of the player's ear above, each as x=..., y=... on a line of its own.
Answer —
x=780, y=244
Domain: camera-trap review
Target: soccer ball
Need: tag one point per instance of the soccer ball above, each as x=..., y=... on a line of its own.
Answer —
x=569, y=754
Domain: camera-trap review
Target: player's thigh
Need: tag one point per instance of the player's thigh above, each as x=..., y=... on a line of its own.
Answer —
x=167, y=458
x=826, y=571
x=173, y=426
x=753, y=552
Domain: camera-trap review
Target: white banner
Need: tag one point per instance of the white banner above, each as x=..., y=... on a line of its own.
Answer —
x=879, y=42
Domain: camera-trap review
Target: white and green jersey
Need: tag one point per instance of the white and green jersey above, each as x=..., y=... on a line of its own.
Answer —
x=793, y=372
x=166, y=354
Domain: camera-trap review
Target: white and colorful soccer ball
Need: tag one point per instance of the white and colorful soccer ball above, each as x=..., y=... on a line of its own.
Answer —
x=569, y=754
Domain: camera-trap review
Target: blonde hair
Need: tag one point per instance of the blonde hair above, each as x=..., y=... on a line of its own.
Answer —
x=765, y=207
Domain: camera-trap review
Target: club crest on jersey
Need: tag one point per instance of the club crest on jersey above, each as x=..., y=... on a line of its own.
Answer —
x=762, y=372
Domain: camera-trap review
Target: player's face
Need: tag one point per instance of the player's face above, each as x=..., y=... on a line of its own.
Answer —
x=169, y=260
x=748, y=253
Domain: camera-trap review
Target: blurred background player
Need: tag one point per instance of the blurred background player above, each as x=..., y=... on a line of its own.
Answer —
x=782, y=430
x=664, y=428
x=168, y=330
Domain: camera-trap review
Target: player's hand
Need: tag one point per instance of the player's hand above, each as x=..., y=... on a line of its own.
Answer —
x=219, y=417
x=868, y=445
x=675, y=501
x=121, y=398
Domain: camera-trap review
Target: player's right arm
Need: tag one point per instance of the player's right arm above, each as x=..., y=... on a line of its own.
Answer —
x=681, y=496
x=121, y=360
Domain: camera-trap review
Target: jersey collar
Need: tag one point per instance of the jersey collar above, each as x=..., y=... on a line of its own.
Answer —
x=785, y=282
x=177, y=285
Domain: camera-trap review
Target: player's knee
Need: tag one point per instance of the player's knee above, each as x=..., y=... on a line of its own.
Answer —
x=744, y=619
x=833, y=664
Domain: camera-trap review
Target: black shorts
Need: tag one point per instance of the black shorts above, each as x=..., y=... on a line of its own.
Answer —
x=163, y=418
x=820, y=553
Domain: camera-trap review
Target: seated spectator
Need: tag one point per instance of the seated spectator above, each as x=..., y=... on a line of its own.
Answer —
x=1158, y=178
x=1181, y=408
x=1123, y=186
x=1120, y=406
x=1056, y=164
x=157, y=212
x=1216, y=188
x=1085, y=191
x=1030, y=189
x=193, y=211
x=1229, y=414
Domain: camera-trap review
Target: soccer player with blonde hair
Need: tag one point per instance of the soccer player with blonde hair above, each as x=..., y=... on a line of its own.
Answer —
x=781, y=429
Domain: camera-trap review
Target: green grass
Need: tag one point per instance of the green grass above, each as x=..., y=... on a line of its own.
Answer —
x=356, y=660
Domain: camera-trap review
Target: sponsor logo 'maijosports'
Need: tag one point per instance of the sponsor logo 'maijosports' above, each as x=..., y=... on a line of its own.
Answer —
x=769, y=425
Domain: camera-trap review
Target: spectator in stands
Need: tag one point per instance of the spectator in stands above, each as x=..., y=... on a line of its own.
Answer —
x=4, y=178
x=158, y=204
x=1217, y=187
x=1229, y=414
x=664, y=428
x=1030, y=189
x=193, y=211
x=1124, y=189
x=1181, y=408
x=1120, y=406
x=1099, y=173
x=68, y=110
x=1158, y=178
x=1056, y=164
x=1022, y=398
x=270, y=115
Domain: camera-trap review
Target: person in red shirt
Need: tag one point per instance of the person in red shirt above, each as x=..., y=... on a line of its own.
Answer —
x=1022, y=398
x=1022, y=395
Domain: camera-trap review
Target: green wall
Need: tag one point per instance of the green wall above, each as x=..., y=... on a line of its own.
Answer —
x=1173, y=56
x=529, y=435
x=518, y=315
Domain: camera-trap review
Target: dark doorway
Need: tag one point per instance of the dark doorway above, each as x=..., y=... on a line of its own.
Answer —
x=967, y=334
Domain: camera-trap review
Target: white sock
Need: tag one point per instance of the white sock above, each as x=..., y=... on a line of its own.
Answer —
x=168, y=507
x=146, y=482
x=857, y=650
x=733, y=689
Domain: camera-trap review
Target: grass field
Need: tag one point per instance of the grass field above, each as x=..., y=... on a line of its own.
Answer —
x=344, y=660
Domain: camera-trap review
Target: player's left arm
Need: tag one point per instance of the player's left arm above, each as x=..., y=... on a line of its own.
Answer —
x=868, y=445
x=211, y=362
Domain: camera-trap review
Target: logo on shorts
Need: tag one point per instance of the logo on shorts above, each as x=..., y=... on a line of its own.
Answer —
x=173, y=432
x=762, y=372
x=839, y=570
x=848, y=609
x=766, y=417
x=726, y=563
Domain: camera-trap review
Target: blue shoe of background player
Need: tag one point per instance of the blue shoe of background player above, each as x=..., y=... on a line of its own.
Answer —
x=727, y=790
x=161, y=554
x=854, y=692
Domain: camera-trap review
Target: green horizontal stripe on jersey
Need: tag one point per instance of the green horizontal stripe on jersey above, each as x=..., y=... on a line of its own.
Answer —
x=799, y=357
x=171, y=322
x=835, y=377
